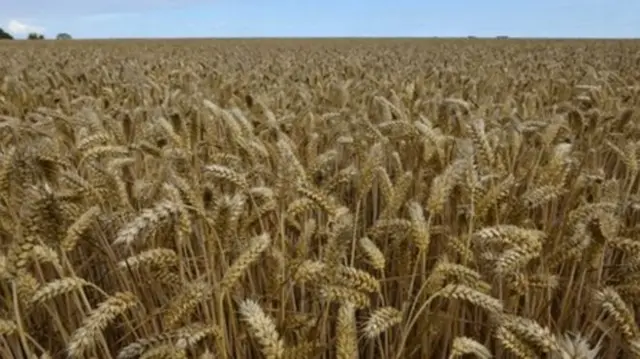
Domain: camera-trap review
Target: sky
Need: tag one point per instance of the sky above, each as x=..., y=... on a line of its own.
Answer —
x=327, y=18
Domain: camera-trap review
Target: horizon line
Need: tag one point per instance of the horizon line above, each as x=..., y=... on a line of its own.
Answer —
x=469, y=37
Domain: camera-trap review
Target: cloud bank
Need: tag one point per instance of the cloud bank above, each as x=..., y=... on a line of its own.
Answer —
x=17, y=27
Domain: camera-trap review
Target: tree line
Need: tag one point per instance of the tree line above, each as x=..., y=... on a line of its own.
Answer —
x=33, y=36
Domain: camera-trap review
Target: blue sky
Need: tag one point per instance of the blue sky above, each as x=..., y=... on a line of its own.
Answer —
x=255, y=18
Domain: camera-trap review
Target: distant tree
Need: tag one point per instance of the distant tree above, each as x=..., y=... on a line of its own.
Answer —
x=35, y=36
x=5, y=35
x=63, y=36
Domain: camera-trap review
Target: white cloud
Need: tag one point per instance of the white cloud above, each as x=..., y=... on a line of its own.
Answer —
x=20, y=28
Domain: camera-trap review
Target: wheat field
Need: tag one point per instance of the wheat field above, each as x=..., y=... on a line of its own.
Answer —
x=320, y=199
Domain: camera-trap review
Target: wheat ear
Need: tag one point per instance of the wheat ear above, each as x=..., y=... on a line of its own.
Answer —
x=84, y=337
